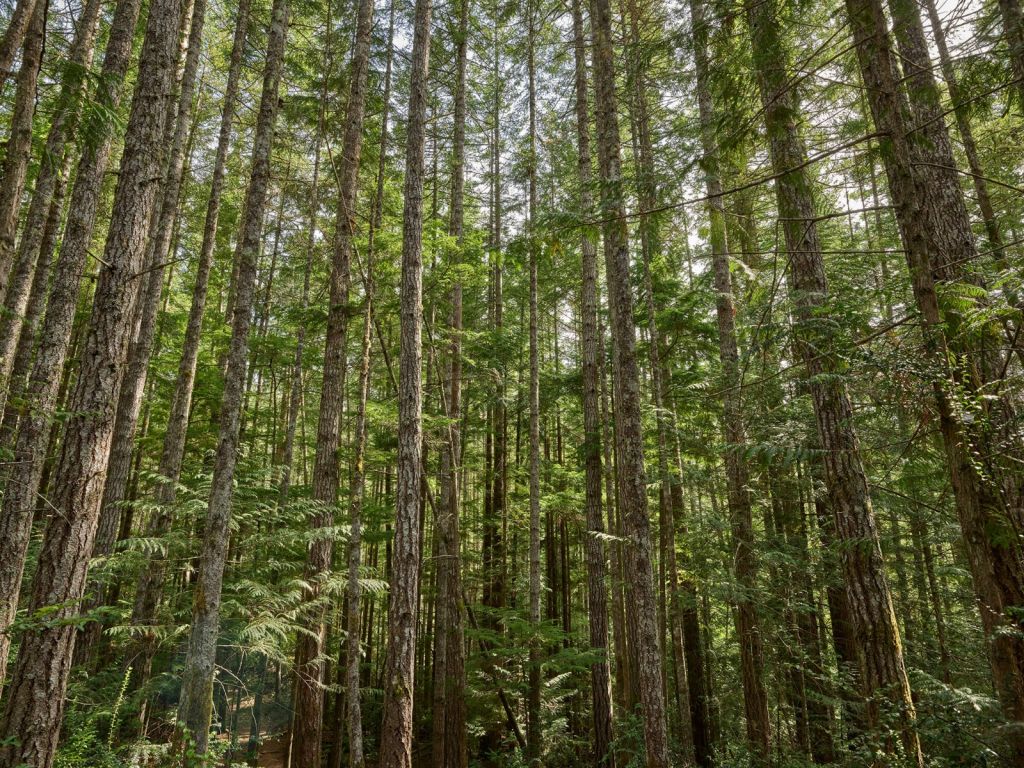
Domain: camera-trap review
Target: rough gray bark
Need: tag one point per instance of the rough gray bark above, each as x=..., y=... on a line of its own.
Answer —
x=644, y=642
x=870, y=600
x=597, y=590
x=37, y=401
x=963, y=124
x=353, y=618
x=129, y=404
x=397, y=724
x=1013, y=31
x=35, y=702
x=144, y=320
x=194, y=710
x=19, y=142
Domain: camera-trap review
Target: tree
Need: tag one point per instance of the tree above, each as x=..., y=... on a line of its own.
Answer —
x=194, y=710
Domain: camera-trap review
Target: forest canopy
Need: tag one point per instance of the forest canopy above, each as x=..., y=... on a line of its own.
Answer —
x=487, y=383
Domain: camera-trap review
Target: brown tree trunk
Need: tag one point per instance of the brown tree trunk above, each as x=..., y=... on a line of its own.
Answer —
x=534, y=729
x=51, y=174
x=150, y=582
x=35, y=702
x=748, y=625
x=307, y=735
x=870, y=600
x=42, y=389
x=631, y=474
x=397, y=724
x=19, y=142
x=194, y=709
x=133, y=384
x=930, y=235
x=597, y=591
x=14, y=35
x=449, y=710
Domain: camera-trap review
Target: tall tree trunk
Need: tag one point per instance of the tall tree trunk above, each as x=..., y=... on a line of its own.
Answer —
x=309, y=667
x=354, y=554
x=1013, y=31
x=449, y=712
x=928, y=234
x=14, y=35
x=534, y=730
x=963, y=124
x=597, y=591
x=194, y=709
x=19, y=142
x=42, y=389
x=631, y=475
x=397, y=724
x=748, y=624
x=150, y=582
x=52, y=171
x=870, y=600
x=133, y=384
x=35, y=702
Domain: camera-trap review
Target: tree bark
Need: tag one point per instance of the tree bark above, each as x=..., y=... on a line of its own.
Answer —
x=35, y=702
x=745, y=567
x=133, y=384
x=597, y=591
x=194, y=709
x=987, y=500
x=19, y=142
x=870, y=600
x=534, y=729
x=449, y=710
x=397, y=724
x=41, y=391
x=309, y=668
x=14, y=36
x=53, y=168
x=631, y=475
x=150, y=582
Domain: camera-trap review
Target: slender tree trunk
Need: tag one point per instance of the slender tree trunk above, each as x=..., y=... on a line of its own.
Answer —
x=597, y=591
x=14, y=36
x=52, y=171
x=309, y=668
x=194, y=709
x=43, y=387
x=133, y=384
x=963, y=124
x=449, y=712
x=748, y=625
x=397, y=725
x=18, y=150
x=534, y=729
x=19, y=142
x=35, y=702
x=1013, y=31
x=631, y=475
x=354, y=555
x=870, y=600
x=150, y=582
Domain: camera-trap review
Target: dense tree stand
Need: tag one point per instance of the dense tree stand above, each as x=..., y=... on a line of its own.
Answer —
x=501, y=384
